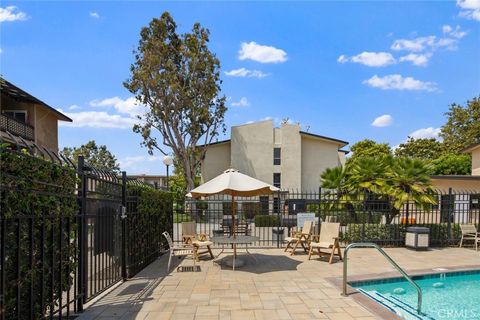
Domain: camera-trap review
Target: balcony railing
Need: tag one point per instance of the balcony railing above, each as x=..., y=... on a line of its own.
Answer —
x=16, y=127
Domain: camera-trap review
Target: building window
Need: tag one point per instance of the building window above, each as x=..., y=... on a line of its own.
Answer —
x=277, y=154
x=277, y=180
x=19, y=115
x=474, y=201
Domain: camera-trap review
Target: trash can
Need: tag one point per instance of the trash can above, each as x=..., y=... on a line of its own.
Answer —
x=278, y=234
x=417, y=238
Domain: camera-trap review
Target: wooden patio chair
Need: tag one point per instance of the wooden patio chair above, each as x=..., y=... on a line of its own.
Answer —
x=470, y=233
x=178, y=251
x=300, y=238
x=199, y=241
x=327, y=239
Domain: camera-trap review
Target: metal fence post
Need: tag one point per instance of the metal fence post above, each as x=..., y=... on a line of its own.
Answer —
x=82, y=256
x=319, y=208
x=451, y=204
x=124, y=225
x=279, y=218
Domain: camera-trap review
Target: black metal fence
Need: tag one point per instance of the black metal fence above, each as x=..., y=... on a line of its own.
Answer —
x=363, y=217
x=68, y=234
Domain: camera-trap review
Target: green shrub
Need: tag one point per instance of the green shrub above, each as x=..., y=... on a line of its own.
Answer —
x=42, y=194
x=145, y=225
x=391, y=233
x=266, y=221
x=250, y=209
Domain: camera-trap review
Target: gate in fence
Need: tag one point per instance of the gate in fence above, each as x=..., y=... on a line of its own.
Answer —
x=69, y=233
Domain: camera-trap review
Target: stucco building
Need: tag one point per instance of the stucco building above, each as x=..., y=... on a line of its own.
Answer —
x=24, y=116
x=286, y=157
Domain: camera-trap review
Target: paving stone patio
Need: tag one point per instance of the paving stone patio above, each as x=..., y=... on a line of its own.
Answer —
x=274, y=285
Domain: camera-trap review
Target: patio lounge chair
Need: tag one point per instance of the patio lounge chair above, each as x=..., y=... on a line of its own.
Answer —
x=199, y=241
x=327, y=239
x=300, y=238
x=469, y=232
x=178, y=251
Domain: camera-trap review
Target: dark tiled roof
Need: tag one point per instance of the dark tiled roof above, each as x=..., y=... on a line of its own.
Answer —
x=18, y=94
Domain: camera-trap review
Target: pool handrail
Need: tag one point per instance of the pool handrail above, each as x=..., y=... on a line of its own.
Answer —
x=393, y=263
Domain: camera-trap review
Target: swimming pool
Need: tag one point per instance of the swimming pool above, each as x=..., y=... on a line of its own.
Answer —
x=452, y=295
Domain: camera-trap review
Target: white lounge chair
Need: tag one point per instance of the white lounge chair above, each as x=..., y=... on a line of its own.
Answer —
x=327, y=239
x=300, y=238
x=178, y=251
x=470, y=233
x=190, y=236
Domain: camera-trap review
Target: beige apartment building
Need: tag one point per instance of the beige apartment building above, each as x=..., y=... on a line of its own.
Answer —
x=461, y=183
x=26, y=117
x=286, y=157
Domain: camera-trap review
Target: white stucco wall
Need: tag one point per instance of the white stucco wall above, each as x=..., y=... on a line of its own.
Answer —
x=317, y=155
x=252, y=150
x=217, y=160
x=476, y=162
x=291, y=163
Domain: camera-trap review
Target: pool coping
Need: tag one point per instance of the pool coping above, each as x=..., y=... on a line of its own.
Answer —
x=378, y=309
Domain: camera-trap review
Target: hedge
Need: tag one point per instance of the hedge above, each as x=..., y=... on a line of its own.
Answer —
x=37, y=198
x=266, y=221
x=395, y=233
x=150, y=213
x=250, y=209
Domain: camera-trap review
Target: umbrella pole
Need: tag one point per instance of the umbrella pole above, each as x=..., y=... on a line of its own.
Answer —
x=233, y=216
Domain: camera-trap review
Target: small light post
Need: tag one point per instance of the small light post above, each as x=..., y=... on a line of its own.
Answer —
x=168, y=161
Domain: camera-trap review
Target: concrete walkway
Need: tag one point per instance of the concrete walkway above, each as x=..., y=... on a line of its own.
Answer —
x=274, y=285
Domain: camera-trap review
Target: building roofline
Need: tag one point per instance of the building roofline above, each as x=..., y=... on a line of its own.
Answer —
x=15, y=92
x=471, y=147
x=343, y=143
x=455, y=177
x=214, y=143
x=344, y=151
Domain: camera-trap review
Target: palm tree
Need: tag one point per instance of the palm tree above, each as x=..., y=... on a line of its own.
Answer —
x=333, y=178
x=369, y=174
x=409, y=181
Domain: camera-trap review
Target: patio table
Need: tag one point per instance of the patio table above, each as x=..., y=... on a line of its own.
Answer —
x=234, y=241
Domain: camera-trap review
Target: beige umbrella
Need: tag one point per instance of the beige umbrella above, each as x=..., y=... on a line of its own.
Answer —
x=233, y=183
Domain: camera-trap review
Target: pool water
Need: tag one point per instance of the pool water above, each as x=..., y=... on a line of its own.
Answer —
x=453, y=296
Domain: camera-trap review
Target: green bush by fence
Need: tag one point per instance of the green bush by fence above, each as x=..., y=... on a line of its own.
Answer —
x=266, y=221
x=39, y=209
x=395, y=234
x=250, y=209
x=149, y=215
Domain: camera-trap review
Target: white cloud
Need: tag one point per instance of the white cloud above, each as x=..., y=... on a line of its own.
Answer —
x=242, y=72
x=97, y=119
x=129, y=106
x=417, y=59
x=455, y=33
x=11, y=13
x=371, y=59
x=397, y=82
x=131, y=162
x=73, y=107
x=94, y=15
x=446, y=29
x=425, y=133
x=260, y=53
x=242, y=103
x=470, y=9
x=415, y=45
x=383, y=121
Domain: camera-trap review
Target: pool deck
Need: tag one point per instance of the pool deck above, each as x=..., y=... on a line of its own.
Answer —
x=272, y=285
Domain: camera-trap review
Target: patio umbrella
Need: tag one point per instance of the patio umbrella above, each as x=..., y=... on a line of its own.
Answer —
x=233, y=183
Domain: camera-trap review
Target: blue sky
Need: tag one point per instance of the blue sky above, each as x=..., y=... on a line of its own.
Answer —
x=349, y=70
